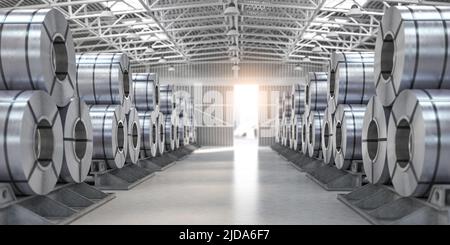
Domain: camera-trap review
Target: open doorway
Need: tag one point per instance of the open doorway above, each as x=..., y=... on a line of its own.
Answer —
x=246, y=112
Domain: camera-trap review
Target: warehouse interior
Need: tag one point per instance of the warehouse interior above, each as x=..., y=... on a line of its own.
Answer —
x=224, y=112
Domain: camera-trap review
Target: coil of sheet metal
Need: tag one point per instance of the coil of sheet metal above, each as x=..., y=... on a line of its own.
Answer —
x=297, y=132
x=374, y=142
x=314, y=133
x=167, y=99
x=37, y=53
x=149, y=133
x=287, y=107
x=161, y=141
x=304, y=134
x=146, y=91
x=347, y=129
x=327, y=137
x=134, y=136
x=31, y=146
x=78, y=146
x=412, y=50
x=109, y=130
x=316, y=91
x=353, y=84
x=298, y=99
x=104, y=78
x=419, y=141
x=169, y=128
x=177, y=130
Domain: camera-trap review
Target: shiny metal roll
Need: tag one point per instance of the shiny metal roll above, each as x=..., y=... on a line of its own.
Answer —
x=354, y=84
x=134, y=136
x=146, y=91
x=297, y=132
x=412, y=50
x=170, y=131
x=419, y=141
x=104, y=78
x=347, y=129
x=161, y=142
x=149, y=133
x=316, y=91
x=327, y=137
x=167, y=99
x=314, y=133
x=110, y=134
x=374, y=142
x=177, y=130
x=298, y=99
x=287, y=107
x=304, y=134
x=31, y=145
x=37, y=53
x=78, y=146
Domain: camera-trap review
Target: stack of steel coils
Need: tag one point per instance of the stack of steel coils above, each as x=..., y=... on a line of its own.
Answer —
x=46, y=130
x=298, y=110
x=168, y=109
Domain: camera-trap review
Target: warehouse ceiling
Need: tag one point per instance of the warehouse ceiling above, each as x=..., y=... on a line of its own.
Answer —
x=154, y=32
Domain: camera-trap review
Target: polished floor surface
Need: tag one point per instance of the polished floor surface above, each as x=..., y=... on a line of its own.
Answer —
x=240, y=185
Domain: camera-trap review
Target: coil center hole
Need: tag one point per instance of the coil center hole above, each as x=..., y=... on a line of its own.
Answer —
x=43, y=143
x=60, y=58
x=310, y=133
x=307, y=94
x=338, y=135
x=387, y=56
x=372, y=140
x=157, y=94
x=154, y=128
x=304, y=133
x=403, y=143
x=326, y=135
x=161, y=132
x=120, y=136
x=135, y=134
x=172, y=130
x=80, y=139
x=331, y=84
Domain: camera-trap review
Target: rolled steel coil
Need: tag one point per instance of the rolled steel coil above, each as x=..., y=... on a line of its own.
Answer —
x=354, y=84
x=419, y=141
x=327, y=137
x=31, y=146
x=134, y=136
x=161, y=143
x=304, y=134
x=167, y=99
x=314, y=133
x=316, y=91
x=412, y=50
x=287, y=106
x=374, y=142
x=347, y=129
x=298, y=99
x=78, y=146
x=169, y=128
x=297, y=132
x=104, y=78
x=37, y=53
x=146, y=91
x=177, y=130
x=110, y=134
x=149, y=133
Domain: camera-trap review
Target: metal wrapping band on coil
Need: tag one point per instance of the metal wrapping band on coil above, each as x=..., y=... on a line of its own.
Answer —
x=167, y=99
x=31, y=142
x=149, y=133
x=104, y=78
x=327, y=137
x=374, y=142
x=161, y=143
x=146, y=91
x=110, y=134
x=298, y=99
x=412, y=50
x=134, y=136
x=314, y=133
x=316, y=91
x=297, y=132
x=78, y=145
x=347, y=129
x=354, y=84
x=304, y=134
x=170, y=131
x=37, y=53
x=419, y=141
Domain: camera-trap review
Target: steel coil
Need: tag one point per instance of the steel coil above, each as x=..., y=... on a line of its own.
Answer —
x=78, y=146
x=314, y=133
x=177, y=130
x=419, y=141
x=169, y=128
x=327, y=137
x=161, y=143
x=37, y=53
x=412, y=50
x=31, y=149
x=316, y=91
x=167, y=99
x=287, y=106
x=347, y=129
x=304, y=134
x=109, y=130
x=104, y=78
x=354, y=84
x=297, y=132
x=374, y=142
x=134, y=136
x=146, y=91
x=149, y=133
x=298, y=99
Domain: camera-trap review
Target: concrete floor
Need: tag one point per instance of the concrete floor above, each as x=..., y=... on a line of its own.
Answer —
x=240, y=185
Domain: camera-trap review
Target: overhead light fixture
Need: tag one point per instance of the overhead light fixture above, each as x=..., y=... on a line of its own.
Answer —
x=306, y=59
x=231, y=10
x=332, y=34
x=235, y=60
x=149, y=50
x=162, y=60
x=171, y=68
x=235, y=68
x=298, y=68
x=133, y=36
x=354, y=11
x=316, y=49
x=233, y=32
